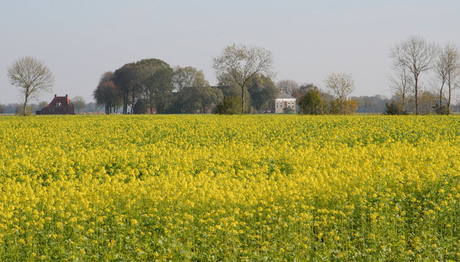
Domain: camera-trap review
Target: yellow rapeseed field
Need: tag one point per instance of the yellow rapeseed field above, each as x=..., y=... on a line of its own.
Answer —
x=230, y=188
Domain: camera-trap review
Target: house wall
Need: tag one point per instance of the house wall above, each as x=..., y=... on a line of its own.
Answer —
x=279, y=104
x=60, y=105
x=53, y=110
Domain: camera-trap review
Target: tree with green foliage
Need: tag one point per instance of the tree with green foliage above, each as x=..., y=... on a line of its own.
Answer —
x=238, y=64
x=107, y=94
x=230, y=105
x=147, y=79
x=261, y=90
x=302, y=90
x=312, y=103
x=124, y=79
x=393, y=108
x=158, y=88
x=194, y=94
x=188, y=77
x=200, y=99
x=234, y=91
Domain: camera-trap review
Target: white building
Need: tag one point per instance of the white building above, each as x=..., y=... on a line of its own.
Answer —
x=281, y=102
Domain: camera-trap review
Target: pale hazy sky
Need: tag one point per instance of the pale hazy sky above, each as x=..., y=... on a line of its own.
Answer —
x=80, y=40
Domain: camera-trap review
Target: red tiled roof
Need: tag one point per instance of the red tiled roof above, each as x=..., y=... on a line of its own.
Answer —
x=60, y=101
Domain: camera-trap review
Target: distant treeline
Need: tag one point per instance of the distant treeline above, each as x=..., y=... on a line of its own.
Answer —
x=16, y=108
x=365, y=104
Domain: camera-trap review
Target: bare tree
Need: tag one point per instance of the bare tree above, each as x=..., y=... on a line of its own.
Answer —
x=79, y=103
x=448, y=70
x=440, y=69
x=287, y=86
x=238, y=63
x=402, y=84
x=415, y=55
x=32, y=76
x=341, y=85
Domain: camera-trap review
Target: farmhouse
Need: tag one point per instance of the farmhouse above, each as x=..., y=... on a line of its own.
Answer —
x=60, y=105
x=282, y=102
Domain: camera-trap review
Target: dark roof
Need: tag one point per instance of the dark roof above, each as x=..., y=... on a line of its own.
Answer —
x=60, y=101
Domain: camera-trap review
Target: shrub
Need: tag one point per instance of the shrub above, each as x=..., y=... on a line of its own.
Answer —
x=229, y=106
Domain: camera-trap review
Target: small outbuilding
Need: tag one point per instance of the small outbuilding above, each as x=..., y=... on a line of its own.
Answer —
x=60, y=105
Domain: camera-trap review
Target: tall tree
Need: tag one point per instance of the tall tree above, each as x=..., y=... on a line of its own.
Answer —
x=415, y=55
x=341, y=86
x=401, y=84
x=125, y=79
x=32, y=76
x=154, y=83
x=158, y=88
x=238, y=63
x=447, y=70
x=107, y=93
x=149, y=80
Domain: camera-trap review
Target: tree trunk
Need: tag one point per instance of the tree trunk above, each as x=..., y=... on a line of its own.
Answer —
x=24, y=106
x=125, y=101
x=133, y=95
x=416, y=95
x=440, y=96
x=404, y=101
x=243, y=89
x=450, y=94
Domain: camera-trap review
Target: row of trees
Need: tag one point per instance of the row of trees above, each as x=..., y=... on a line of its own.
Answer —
x=245, y=84
x=152, y=86
x=313, y=101
x=414, y=57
